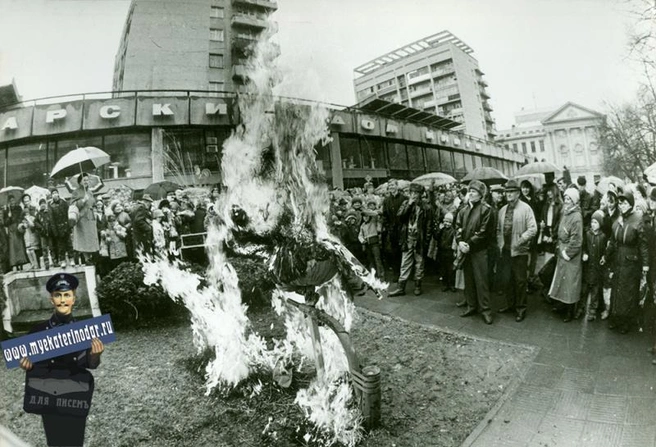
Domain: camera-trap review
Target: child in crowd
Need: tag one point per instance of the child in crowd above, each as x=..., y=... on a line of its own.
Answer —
x=32, y=243
x=445, y=235
x=369, y=236
x=594, y=245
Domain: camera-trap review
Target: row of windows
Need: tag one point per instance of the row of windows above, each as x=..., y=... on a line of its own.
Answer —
x=525, y=146
x=217, y=12
x=370, y=153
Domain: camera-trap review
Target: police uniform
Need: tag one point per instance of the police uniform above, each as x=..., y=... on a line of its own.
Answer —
x=64, y=417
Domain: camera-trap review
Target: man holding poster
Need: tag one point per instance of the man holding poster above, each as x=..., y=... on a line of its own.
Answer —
x=61, y=388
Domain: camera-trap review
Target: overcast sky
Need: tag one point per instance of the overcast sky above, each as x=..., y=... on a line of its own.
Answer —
x=535, y=53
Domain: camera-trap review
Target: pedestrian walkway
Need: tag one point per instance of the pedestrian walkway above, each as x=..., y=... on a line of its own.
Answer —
x=588, y=385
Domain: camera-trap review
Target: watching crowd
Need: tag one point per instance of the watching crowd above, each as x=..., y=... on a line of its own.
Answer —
x=597, y=251
x=103, y=230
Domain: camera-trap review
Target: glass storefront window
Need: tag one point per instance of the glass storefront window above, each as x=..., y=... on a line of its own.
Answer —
x=350, y=150
x=398, y=159
x=446, y=161
x=469, y=163
x=190, y=151
x=433, y=159
x=65, y=146
x=373, y=153
x=130, y=156
x=416, y=159
x=3, y=168
x=27, y=165
x=459, y=164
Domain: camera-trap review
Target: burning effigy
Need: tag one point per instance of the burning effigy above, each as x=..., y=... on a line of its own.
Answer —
x=273, y=208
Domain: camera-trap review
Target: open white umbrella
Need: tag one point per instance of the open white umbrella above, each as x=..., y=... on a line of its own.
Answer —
x=15, y=191
x=37, y=193
x=435, y=178
x=606, y=182
x=80, y=160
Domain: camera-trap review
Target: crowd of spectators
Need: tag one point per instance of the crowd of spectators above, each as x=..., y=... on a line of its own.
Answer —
x=100, y=229
x=596, y=252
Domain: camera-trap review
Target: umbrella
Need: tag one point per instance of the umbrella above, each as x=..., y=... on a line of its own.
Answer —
x=539, y=167
x=159, y=190
x=485, y=174
x=37, y=193
x=604, y=183
x=15, y=191
x=80, y=160
x=435, y=178
x=382, y=189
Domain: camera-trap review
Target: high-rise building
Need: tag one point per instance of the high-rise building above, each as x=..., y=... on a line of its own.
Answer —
x=188, y=45
x=436, y=74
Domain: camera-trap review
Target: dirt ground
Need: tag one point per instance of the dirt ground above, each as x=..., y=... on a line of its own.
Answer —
x=436, y=387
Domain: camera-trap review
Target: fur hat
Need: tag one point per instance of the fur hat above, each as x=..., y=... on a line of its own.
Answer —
x=581, y=181
x=415, y=187
x=478, y=186
x=599, y=217
x=573, y=194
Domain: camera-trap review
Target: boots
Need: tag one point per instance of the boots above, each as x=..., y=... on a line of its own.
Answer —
x=399, y=291
x=569, y=313
x=417, y=288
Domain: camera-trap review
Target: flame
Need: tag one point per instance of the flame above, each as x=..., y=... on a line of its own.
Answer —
x=269, y=169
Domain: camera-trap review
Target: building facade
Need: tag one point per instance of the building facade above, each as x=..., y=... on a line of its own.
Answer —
x=179, y=138
x=191, y=45
x=566, y=137
x=435, y=74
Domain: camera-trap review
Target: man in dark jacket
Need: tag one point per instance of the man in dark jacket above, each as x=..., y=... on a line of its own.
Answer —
x=64, y=424
x=59, y=231
x=474, y=235
x=142, y=231
x=416, y=220
x=392, y=226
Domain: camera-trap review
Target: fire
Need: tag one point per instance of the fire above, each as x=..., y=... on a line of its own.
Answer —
x=268, y=170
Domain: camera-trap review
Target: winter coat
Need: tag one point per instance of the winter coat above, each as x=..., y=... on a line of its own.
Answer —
x=30, y=236
x=550, y=230
x=85, y=233
x=117, y=235
x=566, y=284
x=627, y=253
x=594, y=245
x=524, y=228
x=390, y=220
x=424, y=222
x=474, y=226
x=17, y=254
x=142, y=231
x=59, y=220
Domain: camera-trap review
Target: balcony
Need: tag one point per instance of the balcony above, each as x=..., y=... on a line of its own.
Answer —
x=484, y=94
x=420, y=78
x=448, y=99
x=249, y=21
x=483, y=82
x=387, y=89
x=420, y=92
x=263, y=4
x=487, y=106
x=239, y=73
x=243, y=43
x=446, y=71
x=488, y=118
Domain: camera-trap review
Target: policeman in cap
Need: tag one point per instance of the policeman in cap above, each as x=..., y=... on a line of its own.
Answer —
x=60, y=389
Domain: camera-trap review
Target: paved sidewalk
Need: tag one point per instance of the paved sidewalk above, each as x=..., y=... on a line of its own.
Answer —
x=588, y=386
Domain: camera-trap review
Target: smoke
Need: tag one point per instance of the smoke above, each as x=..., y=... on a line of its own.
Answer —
x=270, y=173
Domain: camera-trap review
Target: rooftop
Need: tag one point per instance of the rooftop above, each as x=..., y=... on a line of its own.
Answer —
x=410, y=49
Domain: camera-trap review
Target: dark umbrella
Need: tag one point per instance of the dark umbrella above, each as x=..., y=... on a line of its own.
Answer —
x=487, y=175
x=159, y=190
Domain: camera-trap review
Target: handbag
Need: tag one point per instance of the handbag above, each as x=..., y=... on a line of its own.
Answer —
x=57, y=391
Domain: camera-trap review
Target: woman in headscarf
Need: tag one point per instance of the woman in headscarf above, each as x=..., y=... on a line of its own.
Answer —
x=628, y=255
x=566, y=284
